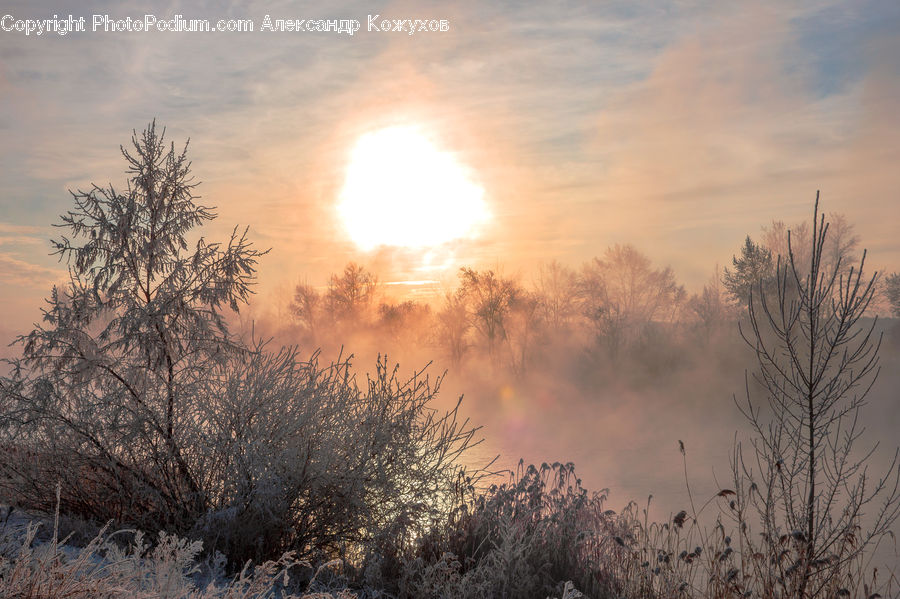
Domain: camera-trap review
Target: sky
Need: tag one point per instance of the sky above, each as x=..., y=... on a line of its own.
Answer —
x=679, y=127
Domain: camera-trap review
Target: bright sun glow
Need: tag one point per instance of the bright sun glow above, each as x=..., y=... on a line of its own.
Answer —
x=401, y=190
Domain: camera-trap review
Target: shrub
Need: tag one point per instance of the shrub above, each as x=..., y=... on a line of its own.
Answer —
x=138, y=400
x=527, y=537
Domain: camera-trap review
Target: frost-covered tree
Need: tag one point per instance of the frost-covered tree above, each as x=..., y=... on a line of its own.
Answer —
x=134, y=396
x=892, y=293
x=123, y=345
x=755, y=265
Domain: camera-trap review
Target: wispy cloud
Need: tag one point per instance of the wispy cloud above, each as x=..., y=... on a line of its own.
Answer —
x=679, y=126
x=20, y=273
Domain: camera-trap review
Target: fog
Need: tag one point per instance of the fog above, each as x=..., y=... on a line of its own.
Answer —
x=612, y=364
x=554, y=389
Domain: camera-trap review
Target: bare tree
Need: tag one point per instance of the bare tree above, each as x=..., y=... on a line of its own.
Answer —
x=522, y=327
x=453, y=326
x=711, y=307
x=839, y=250
x=351, y=295
x=892, y=293
x=405, y=323
x=776, y=240
x=489, y=298
x=622, y=294
x=557, y=293
x=305, y=308
x=842, y=242
x=806, y=482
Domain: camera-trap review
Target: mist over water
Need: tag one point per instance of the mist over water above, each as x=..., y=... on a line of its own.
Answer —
x=618, y=418
x=613, y=367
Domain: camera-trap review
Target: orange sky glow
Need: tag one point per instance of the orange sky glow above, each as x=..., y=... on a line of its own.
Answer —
x=679, y=131
x=526, y=133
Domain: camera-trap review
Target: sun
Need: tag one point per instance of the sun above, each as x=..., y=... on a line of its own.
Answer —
x=401, y=190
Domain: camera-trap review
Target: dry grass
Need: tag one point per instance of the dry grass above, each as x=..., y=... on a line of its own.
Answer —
x=125, y=564
x=538, y=535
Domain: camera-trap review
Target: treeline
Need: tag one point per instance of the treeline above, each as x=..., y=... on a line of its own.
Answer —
x=134, y=402
x=615, y=303
x=618, y=306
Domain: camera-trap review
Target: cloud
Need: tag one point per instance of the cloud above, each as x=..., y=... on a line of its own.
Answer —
x=21, y=235
x=716, y=113
x=20, y=273
x=17, y=272
x=732, y=128
x=676, y=126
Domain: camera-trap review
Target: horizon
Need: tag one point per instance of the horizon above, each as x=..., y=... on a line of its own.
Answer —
x=679, y=130
x=443, y=244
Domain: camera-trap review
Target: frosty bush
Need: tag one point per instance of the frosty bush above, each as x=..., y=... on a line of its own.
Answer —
x=122, y=564
x=136, y=397
x=538, y=535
